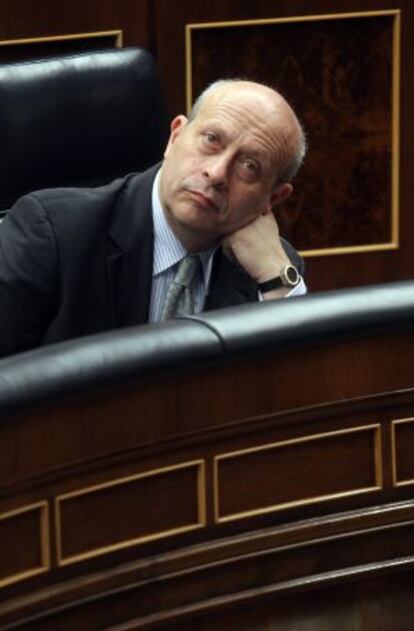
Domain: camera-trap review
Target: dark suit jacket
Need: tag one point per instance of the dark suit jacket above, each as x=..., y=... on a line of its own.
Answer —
x=79, y=261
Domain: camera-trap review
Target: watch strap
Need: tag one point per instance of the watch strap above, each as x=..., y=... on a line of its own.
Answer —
x=289, y=277
x=273, y=283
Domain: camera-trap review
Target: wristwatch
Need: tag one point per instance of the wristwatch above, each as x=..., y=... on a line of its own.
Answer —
x=289, y=277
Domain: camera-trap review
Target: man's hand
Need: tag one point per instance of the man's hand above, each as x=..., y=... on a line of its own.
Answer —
x=258, y=250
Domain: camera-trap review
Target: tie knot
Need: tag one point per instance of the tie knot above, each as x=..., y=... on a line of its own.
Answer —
x=187, y=270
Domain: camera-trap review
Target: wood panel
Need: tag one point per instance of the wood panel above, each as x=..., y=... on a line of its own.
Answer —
x=372, y=369
x=338, y=270
x=24, y=543
x=172, y=505
x=274, y=476
x=45, y=18
x=403, y=446
x=124, y=512
x=350, y=111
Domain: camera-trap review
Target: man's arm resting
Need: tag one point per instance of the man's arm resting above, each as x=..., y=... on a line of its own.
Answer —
x=28, y=276
x=258, y=248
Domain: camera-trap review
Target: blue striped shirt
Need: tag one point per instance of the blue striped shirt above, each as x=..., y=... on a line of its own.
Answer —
x=168, y=252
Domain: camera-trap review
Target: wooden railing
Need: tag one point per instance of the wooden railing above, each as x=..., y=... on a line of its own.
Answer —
x=251, y=466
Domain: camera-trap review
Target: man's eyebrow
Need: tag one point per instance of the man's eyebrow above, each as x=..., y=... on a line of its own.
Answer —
x=216, y=126
x=253, y=153
x=217, y=129
x=257, y=154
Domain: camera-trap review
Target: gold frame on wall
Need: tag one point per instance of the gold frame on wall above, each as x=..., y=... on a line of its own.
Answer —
x=378, y=470
x=393, y=242
x=118, y=34
x=44, y=534
x=198, y=465
x=396, y=481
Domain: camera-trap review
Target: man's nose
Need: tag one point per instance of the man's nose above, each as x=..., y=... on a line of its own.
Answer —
x=216, y=169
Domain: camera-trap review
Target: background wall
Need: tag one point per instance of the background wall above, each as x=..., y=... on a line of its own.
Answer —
x=337, y=181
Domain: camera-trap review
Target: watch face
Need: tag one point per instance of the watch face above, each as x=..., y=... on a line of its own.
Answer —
x=292, y=275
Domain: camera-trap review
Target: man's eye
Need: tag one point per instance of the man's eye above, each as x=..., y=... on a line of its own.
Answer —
x=210, y=137
x=251, y=166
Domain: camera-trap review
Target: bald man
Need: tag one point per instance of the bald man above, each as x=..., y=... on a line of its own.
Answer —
x=80, y=261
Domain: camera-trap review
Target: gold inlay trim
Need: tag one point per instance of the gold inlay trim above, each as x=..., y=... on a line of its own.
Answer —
x=118, y=34
x=43, y=542
x=395, y=128
x=200, y=523
x=393, y=244
x=378, y=467
x=353, y=249
x=394, y=464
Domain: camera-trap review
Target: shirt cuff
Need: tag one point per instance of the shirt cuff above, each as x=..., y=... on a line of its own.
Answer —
x=299, y=290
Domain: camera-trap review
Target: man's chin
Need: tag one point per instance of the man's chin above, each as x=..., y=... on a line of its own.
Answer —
x=197, y=224
x=203, y=201
x=195, y=213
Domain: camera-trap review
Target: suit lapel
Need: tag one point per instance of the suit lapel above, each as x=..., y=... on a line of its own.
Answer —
x=130, y=251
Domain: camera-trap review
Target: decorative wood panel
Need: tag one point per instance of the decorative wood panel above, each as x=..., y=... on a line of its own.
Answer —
x=402, y=451
x=353, y=267
x=53, y=21
x=226, y=574
x=153, y=550
x=348, y=197
x=25, y=531
x=295, y=472
x=136, y=509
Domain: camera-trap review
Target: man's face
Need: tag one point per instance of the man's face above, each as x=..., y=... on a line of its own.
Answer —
x=220, y=169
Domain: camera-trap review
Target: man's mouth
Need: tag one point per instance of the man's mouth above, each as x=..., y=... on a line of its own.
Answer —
x=203, y=199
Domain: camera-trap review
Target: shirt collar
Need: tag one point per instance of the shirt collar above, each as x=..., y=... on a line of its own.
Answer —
x=168, y=250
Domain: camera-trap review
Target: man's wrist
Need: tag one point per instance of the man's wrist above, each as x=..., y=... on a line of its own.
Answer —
x=284, y=292
x=271, y=272
x=288, y=277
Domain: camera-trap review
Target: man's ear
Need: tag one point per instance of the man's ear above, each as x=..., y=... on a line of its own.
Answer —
x=177, y=124
x=281, y=192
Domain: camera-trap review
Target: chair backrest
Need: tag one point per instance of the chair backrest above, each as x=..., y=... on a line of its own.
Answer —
x=78, y=120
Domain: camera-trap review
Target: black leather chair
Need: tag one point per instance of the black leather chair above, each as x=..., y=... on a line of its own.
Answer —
x=80, y=119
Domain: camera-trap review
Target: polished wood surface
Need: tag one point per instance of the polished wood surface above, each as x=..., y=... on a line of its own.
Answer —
x=46, y=18
x=181, y=500
x=349, y=110
x=384, y=605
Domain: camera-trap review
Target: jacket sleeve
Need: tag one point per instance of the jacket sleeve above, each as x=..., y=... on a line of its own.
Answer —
x=294, y=256
x=28, y=276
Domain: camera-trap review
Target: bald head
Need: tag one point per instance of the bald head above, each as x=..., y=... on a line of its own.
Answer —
x=279, y=117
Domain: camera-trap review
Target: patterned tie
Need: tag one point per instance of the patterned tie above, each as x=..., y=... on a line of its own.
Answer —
x=179, y=299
